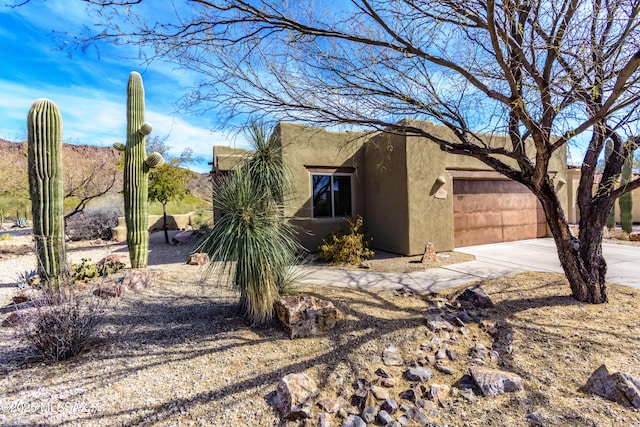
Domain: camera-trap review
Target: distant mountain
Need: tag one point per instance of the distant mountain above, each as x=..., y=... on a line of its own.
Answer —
x=13, y=156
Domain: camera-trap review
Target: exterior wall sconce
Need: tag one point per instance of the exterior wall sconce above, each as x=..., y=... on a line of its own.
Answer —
x=436, y=190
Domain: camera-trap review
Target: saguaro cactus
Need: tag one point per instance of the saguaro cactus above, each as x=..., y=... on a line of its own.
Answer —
x=611, y=219
x=44, y=128
x=626, y=200
x=136, y=173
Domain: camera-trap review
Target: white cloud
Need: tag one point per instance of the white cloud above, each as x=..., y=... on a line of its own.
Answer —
x=89, y=116
x=182, y=134
x=90, y=89
x=99, y=118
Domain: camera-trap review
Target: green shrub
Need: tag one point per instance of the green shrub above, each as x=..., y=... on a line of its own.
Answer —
x=188, y=204
x=350, y=248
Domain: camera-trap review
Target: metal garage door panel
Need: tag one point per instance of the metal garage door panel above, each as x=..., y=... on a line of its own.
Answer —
x=487, y=211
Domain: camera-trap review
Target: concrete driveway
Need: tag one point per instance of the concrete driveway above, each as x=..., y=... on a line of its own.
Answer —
x=491, y=261
x=541, y=255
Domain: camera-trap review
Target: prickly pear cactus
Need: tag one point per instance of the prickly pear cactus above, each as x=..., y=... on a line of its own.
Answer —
x=136, y=173
x=44, y=150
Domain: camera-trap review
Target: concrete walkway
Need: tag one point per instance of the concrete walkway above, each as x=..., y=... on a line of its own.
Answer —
x=492, y=260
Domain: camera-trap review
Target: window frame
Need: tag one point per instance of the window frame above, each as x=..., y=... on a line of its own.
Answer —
x=332, y=197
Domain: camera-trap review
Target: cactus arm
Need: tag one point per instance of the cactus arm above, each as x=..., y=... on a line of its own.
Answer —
x=155, y=160
x=44, y=151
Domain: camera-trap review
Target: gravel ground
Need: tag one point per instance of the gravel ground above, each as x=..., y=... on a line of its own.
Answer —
x=177, y=354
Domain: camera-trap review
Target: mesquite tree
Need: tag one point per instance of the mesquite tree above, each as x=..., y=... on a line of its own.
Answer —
x=169, y=181
x=543, y=73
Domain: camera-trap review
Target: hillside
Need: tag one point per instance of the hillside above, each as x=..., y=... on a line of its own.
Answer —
x=79, y=162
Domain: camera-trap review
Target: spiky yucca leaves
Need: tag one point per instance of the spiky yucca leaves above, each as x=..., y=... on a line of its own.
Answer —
x=255, y=246
x=265, y=166
x=251, y=237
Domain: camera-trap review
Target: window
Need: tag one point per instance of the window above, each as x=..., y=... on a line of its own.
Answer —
x=331, y=195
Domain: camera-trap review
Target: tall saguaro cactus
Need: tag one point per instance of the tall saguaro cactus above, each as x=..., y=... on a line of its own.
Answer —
x=136, y=173
x=626, y=200
x=44, y=127
x=611, y=219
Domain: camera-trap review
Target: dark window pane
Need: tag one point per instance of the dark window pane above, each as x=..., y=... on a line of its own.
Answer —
x=321, y=195
x=342, y=195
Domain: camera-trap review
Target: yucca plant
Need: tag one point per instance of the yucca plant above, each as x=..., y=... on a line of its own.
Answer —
x=252, y=240
x=265, y=166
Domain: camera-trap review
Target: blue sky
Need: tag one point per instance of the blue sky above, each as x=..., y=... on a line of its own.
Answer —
x=90, y=88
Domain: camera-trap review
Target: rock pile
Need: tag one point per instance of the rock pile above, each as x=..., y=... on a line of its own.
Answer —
x=198, y=258
x=305, y=316
x=133, y=280
x=413, y=386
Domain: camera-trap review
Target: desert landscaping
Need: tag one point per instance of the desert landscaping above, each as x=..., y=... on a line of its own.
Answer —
x=177, y=353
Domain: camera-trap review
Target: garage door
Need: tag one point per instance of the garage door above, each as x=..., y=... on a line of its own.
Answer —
x=492, y=211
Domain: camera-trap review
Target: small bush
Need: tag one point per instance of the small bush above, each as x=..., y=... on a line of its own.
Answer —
x=94, y=223
x=5, y=236
x=62, y=325
x=25, y=277
x=21, y=222
x=350, y=248
x=87, y=270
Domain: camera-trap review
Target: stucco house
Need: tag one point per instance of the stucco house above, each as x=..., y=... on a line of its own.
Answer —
x=573, y=180
x=407, y=190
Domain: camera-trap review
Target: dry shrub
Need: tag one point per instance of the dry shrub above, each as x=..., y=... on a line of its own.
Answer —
x=618, y=234
x=62, y=325
x=93, y=223
x=350, y=248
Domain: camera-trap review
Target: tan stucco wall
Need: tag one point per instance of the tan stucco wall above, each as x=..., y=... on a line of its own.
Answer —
x=573, y=179
x=156, y=223
x=394, y=184
x=304, y=147
x=387, y=208
x=430, y=219
x=227, y=158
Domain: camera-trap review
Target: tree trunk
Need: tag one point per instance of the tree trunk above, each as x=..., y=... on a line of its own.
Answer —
x=164, y=223
x=581, y=258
